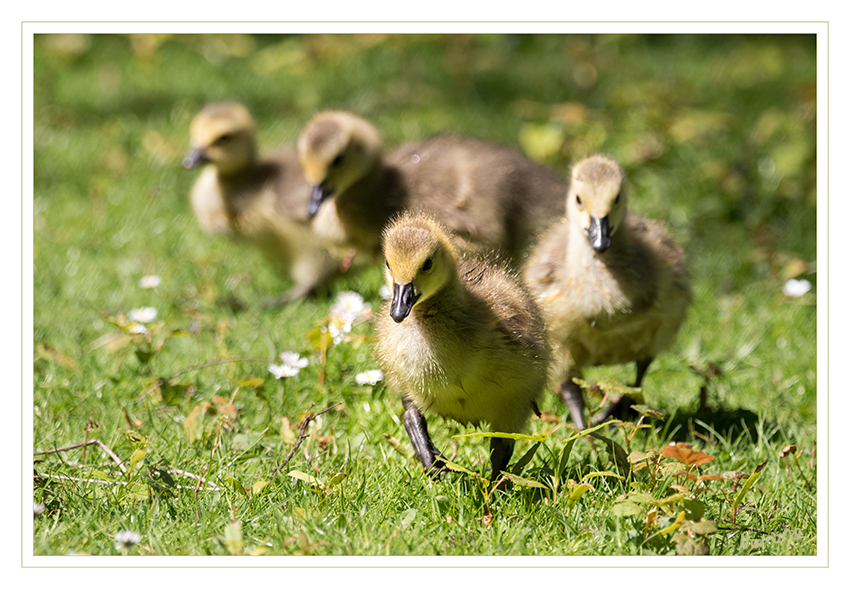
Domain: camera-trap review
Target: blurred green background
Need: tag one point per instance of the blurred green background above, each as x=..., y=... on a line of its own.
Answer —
x=716, y=133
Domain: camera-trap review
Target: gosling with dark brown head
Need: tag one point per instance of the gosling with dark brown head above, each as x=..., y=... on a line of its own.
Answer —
x=490, y=196
x=461, y=338
x=612, y=287
x=259, y=200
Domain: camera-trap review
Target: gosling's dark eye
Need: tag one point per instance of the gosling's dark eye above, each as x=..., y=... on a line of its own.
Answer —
x=617, y=200
x=224, y=139
x=336, y=161
x=387, y=264
x=578, y=200
x=427, y=265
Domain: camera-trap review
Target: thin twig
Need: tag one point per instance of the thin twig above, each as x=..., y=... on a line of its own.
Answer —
x=301, y=431
x=78, y=480
x=103, y=447
x=91, y=423
x=742, y=529
x=210, y=485
x=103, y=482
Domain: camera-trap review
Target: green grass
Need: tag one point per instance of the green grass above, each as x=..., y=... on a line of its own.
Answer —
x=717, y=135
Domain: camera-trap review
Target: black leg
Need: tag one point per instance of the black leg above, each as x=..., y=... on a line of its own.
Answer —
x=417, y=430
x=617, y=410
x=571, y=394
x=501, y=450
x=642, y=366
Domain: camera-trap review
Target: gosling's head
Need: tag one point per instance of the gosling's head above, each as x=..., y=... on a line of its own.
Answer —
x=596, y=200
x=336, y=149
x=420, y=261
x=223, y=135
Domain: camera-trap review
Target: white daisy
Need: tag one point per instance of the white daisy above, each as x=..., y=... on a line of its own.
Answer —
x=126, y=538
x=385, y=292
x=142, y=315
x=349, y=306
x=151, y=281
x=338, y=330
x=293, y=360
x=796, y=288
x=284, y=370
x=136, y=328
x=371, y=377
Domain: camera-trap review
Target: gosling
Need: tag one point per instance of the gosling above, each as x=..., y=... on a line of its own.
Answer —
x=261, y=201
x=492, y=197
x=461, y=338
x=612, y=287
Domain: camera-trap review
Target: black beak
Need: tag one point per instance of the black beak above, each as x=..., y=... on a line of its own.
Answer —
x=317, y=196
x=599, y=234
x=194, y=158
x=403, y=301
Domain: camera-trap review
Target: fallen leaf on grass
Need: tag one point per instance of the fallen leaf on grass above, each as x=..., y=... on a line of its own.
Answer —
x=286, y=432
x=577, y=492
x=397, y=445
x=309, y=479
x=233, y=538
x=253, y=382
x=604, y=473
x=682, y=452
x=710, y=477
x=687, y=546
x=52, y=354
x=111, y=342
x=193, y=425
x=700, y=528
x=648, y=411
x=788, y=450
x=522, y=481
x=625, y=509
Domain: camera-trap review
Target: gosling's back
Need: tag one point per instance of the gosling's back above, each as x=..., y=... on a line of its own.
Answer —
x=492, y=196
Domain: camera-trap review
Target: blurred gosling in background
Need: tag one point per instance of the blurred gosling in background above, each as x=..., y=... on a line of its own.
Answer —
x=612, y=286
x=259, y=200
x=491, y=196
x=461, y=338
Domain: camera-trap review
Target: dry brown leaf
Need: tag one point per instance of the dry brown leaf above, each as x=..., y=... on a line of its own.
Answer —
x=788, y=450
x=682, y=452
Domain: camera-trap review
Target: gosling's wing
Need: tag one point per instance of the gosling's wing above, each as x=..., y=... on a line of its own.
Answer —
x=546, y=262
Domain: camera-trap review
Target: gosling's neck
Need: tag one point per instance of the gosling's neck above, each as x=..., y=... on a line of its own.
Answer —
x=365, y=207
x=233, y=175
x=369, y=188
x=242, y=184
